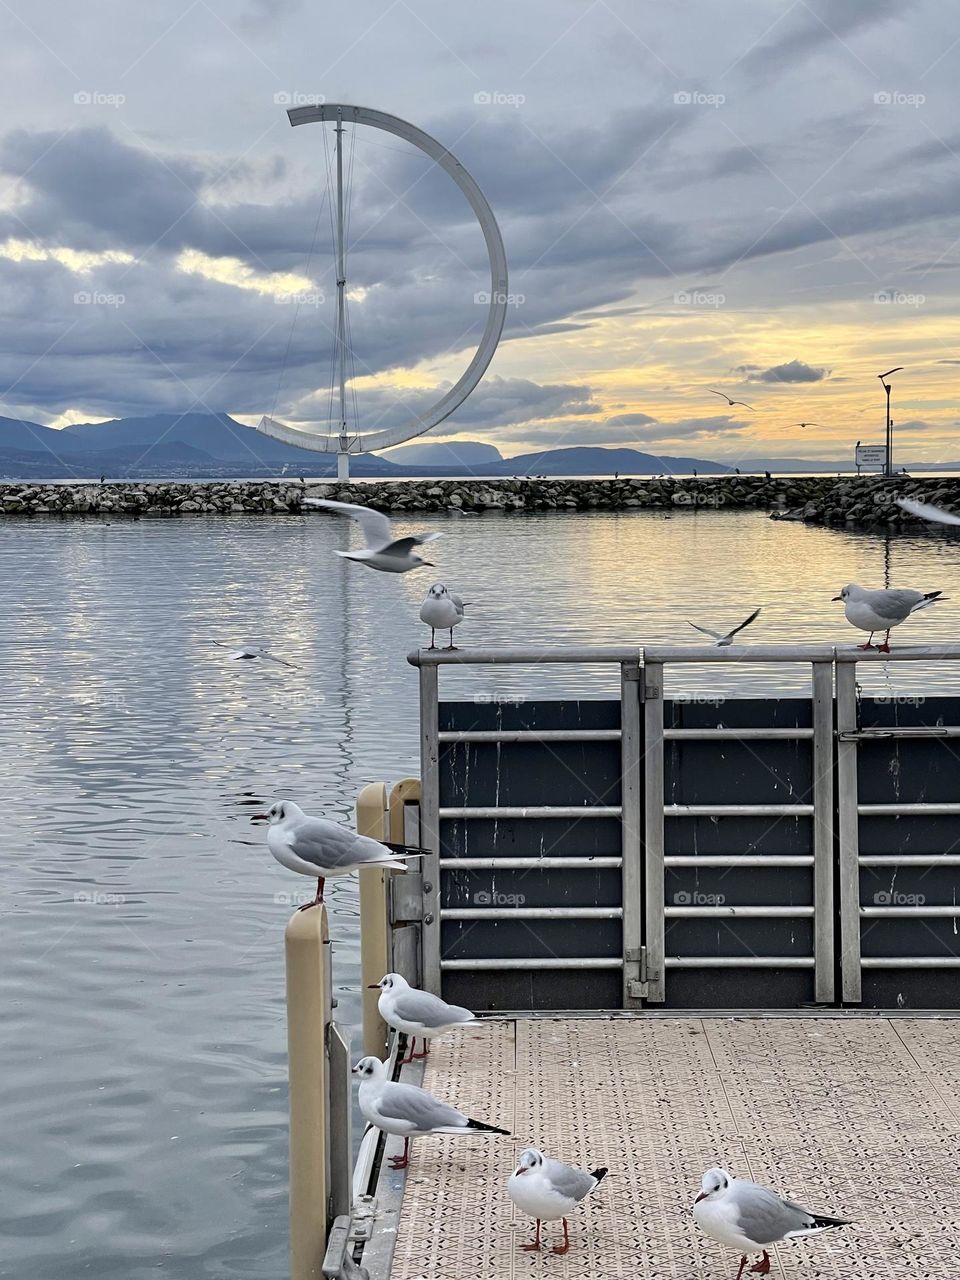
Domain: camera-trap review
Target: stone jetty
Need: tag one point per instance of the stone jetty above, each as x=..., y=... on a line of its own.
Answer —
x=861, y=502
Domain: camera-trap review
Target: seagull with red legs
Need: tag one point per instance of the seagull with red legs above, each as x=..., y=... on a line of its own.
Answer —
x=747, y=1217
x=408, y=1111
x=882, y=610
x=418, y=1014
x=547, y=1189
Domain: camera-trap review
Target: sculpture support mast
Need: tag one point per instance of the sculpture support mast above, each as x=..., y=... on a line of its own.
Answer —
x=343, y=457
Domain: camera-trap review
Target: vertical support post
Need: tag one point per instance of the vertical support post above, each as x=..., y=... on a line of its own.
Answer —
x=375, y=959
x=307, y=944
x=406, y=892
x=849, y=833
x=430, y=823
x=341, y=1109
x=631, y=842
x=653, y=800
x=823, y=920
x=343, y=467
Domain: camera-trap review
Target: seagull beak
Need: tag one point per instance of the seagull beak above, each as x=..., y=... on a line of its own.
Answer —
x=374, y=986
x=429, y=562
x=521, y=1170
x=836, y=598
x=701, y=1196
x=259, y=817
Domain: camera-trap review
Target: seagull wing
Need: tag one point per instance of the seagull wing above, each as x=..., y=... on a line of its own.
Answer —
x=375, y=525
x=745, y=623
x=745, y=405
x=717, y=393
x=411, y=1105
x=924, y=511
x=716, y=635
x=270, y=658
x=403, y=545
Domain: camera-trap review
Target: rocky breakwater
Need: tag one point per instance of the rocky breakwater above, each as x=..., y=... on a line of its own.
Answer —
x=859, y=502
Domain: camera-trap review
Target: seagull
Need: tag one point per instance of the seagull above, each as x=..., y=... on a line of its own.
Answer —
x=748, y=1217
x=926, y=511
x=407, y=1111
x=441, y=608
x=547, y=1190
x=416, y=1013
x=882, y=610
x=253, y=651
x=383, y=551
x=807, y=424
x=320, y=848
x=723, y=396
x=723, y=639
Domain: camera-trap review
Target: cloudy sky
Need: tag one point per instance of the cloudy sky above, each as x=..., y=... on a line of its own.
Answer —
x=759, y=197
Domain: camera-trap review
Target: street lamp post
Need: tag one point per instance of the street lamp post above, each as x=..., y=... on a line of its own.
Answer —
x=888, y=466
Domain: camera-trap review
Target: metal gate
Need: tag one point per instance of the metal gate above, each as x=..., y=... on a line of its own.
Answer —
x=616, y=853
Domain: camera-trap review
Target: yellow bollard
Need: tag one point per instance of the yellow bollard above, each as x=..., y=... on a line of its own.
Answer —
x=374, y=918
x=307, y=942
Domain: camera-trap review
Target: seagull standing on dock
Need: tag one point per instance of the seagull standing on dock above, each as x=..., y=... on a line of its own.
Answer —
x=407, y=1111
x=725, y=638
x=417, y=1013
x=441, y=610
x=250, y=651
x=322, y=849
x=882, y=610
x=748, y=1217
x=383, y=551
x=546, y=1190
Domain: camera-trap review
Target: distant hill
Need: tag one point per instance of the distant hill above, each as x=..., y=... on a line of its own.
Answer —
x=459, y=453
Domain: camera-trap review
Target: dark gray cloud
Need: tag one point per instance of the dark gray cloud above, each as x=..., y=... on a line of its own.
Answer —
x=791, y=371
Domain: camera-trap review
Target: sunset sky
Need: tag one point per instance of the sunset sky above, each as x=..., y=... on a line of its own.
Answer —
x=760, y=197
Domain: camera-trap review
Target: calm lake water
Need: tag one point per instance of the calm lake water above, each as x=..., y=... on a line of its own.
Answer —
x=142, y=1062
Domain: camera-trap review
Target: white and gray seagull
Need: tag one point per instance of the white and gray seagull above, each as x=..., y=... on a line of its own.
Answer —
x=747, y=1217
x=322, y=849
x=251, y=651
x=927, y=511
x=547, y=1190
x=407, y=1111
x=418, y=1014
x=724, y=638
x=882, y=610
x=441, y=610
x=383, y=551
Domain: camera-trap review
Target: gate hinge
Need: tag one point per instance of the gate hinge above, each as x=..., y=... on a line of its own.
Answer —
x=651, y=692
x=636, y=958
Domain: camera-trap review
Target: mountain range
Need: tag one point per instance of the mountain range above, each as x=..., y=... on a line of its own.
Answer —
x=214, y=445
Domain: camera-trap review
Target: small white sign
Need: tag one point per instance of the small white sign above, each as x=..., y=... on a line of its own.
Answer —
x=871, y=455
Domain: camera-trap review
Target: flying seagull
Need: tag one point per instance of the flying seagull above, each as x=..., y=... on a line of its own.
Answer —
x=882, y=610
x=926, y=511
x=407, y=1111
x=748, y=1217
x=252, y=651
x=807, y=424
x=723, y=396
x=416, y=1013
x=320, y=848
x=383, y=551
x=725, y=638
x=547, y=1190
x=441, y=609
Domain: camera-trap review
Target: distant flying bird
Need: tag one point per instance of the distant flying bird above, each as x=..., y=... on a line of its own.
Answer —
x=724, y=638
x=383, y=551
x=882, y=610
x=926, y=511
x=807, y=424
x=251, y=651
x=441, y=609
x=546, y=1190
x=723, y=396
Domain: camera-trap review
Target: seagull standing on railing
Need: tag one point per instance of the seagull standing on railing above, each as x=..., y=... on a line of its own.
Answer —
x=546, y=1190
x=407, y=1111
x=748, y=1217
x=383, y=551
x=416, y=1013
x=882, y=610
x=441, y=610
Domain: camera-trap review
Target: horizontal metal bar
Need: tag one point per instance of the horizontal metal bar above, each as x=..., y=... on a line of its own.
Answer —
x=910, y=860
x=739, y=962
x=746, y=913
x=548, y=962
x=901, y=731
x=902, y=653
x=529, y=735
x=531, y=913
x=522, y=654
x=910, y=962
x=739, y=810
x=535, y=811
x=736, y=735
x=741, y=653
x=739, y=860
x=903, y=912
x=934, y=807
x=527, y=864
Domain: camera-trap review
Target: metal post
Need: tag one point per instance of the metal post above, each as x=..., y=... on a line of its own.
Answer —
x=850, y=969
x=889, y=466
x=307, y=943
x=430, y=824
x=631, y=820
x=653, y=802
x=374, y=922
x=823, y=940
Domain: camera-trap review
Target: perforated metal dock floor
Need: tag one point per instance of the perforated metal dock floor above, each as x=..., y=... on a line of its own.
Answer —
x=858, y=1117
